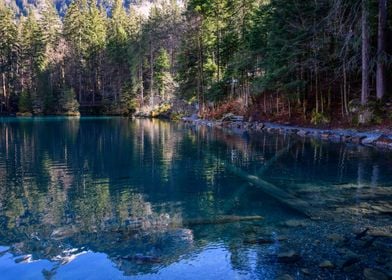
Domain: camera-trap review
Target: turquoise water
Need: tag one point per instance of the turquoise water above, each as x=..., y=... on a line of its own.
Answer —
x=114, y=198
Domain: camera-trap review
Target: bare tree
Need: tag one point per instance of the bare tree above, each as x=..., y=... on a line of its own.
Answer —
x=365, y=54
x=382, y=21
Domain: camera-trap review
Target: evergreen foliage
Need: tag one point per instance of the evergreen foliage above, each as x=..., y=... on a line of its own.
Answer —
x=312, y=59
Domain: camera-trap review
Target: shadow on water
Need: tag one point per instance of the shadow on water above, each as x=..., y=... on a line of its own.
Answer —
x=153, y=199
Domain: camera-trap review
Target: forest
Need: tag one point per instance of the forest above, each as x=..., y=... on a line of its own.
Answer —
x=318, y=62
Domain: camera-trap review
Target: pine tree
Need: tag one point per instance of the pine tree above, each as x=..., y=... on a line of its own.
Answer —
x=8, y=52
x=33, y=62
x=76, y=32
x=117, y=34
x=163, y=77
x=135, y=56
x=49, y=85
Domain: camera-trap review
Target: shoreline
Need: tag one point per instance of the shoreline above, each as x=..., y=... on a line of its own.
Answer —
x=377, y=139
x=369, y=138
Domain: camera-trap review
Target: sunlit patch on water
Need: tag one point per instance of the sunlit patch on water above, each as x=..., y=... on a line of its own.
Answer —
x=112, y=198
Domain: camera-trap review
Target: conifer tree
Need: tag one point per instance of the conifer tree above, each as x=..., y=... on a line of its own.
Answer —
x=162, y=72
x=76, y=33
x=32, y=59
x=9, y=46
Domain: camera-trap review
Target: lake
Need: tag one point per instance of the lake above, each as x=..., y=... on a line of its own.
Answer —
x=115, y=198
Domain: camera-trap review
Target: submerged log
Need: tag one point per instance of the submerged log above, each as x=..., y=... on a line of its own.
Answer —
x=221, y=220
x=263, y=169
x=282, y=196
x=274, y=159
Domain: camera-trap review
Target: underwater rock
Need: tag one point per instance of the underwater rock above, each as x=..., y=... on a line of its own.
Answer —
x=385, y=232
x=302, y=132
x=24, y=259
x=285, y=277
x=181, y=235
x=260, y=241
x=373, y=274
x=350, y=259
x=295, y=223
x=336, y=138
x=346, y=138
x=326, y=264
x=370, y=139
x=288, y=257
x=357, y=139
x=260, y=126
x=3, y=252
x=383, y=142
x=221, y=220
x=336, y=237
x=232, y=117
x=385, y=209
x=63, y=232
x=281, y=238
x=361, y=233
x=316, y=242
x=325, y=135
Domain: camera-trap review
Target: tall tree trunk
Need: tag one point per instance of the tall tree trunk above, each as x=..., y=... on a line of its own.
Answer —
x=365, y=54
x=80, y=82
x=4, y=93
x=382, y=21
x=96, y=83
x=141, y=83
x=199, y=74
x=218, y=54
x=345, y=87
x=151, y=75
x=62, y=74
x=201, y=69
x=100, y=77
x=342, y=100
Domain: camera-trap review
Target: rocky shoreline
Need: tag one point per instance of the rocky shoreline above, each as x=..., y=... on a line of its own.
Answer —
x=375, y=138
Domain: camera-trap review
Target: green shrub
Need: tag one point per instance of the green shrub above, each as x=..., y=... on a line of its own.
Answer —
x=164, y=110
x=319, y=118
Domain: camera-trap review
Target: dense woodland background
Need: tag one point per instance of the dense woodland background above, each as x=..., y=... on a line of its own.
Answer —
x=320, y=61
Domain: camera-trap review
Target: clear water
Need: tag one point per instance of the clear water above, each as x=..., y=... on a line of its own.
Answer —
x=113, y=198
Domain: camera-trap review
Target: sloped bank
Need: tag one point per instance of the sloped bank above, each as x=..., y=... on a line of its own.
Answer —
x=368, y=138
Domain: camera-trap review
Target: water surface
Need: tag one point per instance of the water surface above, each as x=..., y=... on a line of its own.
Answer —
x=114, y=198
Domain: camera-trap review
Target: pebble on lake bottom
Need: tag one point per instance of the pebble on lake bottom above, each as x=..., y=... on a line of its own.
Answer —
x=373, y=274
x=288, y=257
x=326, y=264
x=285, y=277
x=305, y=271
